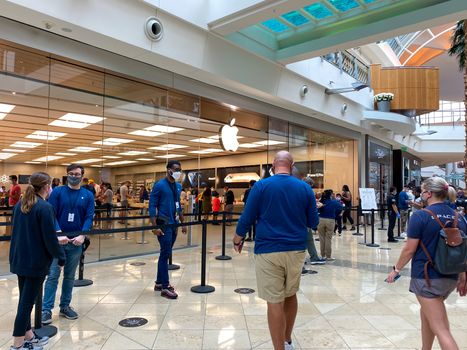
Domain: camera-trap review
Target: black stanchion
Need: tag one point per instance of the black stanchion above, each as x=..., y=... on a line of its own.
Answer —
x=172, y=266
x=357, y=233
x=223, y=256
x=81, y=281
x=39, y=329
x=203, y=288
x=382, y=216
x=372, y=244
x=399, y=229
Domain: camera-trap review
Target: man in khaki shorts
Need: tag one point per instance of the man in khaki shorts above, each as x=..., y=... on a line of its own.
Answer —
x=283, y=207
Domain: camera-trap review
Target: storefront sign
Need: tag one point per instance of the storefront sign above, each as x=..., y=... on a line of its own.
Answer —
x=228, y=138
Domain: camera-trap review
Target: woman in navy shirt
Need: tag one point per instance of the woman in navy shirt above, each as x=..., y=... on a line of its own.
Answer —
x=423, y=227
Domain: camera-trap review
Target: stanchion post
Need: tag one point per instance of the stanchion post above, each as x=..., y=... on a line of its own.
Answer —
x=143, y=241
x=81, y=281
x=223, y=256
x=399, y=228
x=39, y=329
x=203, y=288
x=357, y=233
x=171, y=265
x=382, y=215
x=125, y=237
x=372, y=244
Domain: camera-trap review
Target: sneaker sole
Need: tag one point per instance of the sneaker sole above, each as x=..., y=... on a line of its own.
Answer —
x=41, y=343
x=46, y=322
x=69, y=317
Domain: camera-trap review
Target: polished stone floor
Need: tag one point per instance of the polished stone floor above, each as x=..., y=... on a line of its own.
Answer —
x=347, y=305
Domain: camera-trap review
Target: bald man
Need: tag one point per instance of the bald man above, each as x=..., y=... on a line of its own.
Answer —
x=283, y=207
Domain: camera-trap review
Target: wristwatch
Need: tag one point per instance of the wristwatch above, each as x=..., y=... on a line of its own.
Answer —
x=394, y=268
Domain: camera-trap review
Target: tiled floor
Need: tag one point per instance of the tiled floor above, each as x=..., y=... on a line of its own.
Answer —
x=346, y=305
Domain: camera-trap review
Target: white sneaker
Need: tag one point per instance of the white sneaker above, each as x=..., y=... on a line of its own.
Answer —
x=404, y=234
x=288, y=346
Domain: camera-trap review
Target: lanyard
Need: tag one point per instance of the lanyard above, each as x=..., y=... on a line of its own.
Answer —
x=173, y=188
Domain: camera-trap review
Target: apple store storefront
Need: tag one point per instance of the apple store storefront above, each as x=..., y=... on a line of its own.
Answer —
x=55, y=111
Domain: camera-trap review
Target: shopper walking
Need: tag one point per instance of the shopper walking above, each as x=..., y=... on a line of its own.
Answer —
x=165, y=208
x=283, y=207
x=74, y=210
x=33, y=245
x=432, y=290
x=328, y=213
x=347, y=199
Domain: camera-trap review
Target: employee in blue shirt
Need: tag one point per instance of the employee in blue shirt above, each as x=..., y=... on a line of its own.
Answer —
x=403, y=206
x=283, y=207
x=74, y=210
x=165, y=208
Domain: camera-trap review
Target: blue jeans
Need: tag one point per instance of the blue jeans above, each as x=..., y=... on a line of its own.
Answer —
x=73, y=253
x=166, y=243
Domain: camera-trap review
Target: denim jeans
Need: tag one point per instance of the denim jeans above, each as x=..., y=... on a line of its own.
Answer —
x=73, y=253
x=166, y=243
x=311, y=246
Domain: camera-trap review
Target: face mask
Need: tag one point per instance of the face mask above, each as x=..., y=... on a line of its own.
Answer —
x=176, y=175
x=73, y=181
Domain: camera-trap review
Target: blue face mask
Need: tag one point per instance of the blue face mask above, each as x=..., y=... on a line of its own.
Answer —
x=73, y=181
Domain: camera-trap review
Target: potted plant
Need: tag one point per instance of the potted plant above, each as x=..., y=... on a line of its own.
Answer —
x=383, y=101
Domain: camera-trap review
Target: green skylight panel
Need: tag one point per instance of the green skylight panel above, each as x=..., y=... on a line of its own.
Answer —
x=275, y=25
x=369, y=1
x=344, y=5
x=296, y=18
x=318, y=10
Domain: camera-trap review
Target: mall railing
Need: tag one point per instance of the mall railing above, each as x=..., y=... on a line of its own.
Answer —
x=349, y=64
x=454, y=116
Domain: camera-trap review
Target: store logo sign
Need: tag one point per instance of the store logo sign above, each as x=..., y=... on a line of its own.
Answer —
x=228, y=138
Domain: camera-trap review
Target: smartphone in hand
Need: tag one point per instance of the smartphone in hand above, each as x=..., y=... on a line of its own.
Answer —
x=395, y=278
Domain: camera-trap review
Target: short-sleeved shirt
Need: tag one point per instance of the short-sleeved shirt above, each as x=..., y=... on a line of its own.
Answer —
x=15, y=191
x=229, y=197
x=108, y=194
x=216, y=204
x=424, y=227
x=123, y=193
x=391, y=199
x=403, y=198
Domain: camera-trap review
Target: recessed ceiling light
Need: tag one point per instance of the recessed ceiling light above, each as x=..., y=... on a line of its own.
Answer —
x=145, y=159
x=112, y=141
x=87, y=161
x=46, y=159
x=208, y=150
x=163, y=129
x=269, y=142
x=146, y=133
x=121, y=162
x=65, y=154
x=171, y=156
x=96, y=166
x=5, y=109
x=167, y=147
x=45, y=135
x=132, y=153
x=210, y=139
x=111, y=157
x=24, y=144
x=65, y=164
x=13, y=150
x=76, y=121
x=32, y=162
x=83, y=149
x=249, y=145
x=7, y=155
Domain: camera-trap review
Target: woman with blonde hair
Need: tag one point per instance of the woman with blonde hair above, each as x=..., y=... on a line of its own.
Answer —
x=33, y=245
x=432, y=288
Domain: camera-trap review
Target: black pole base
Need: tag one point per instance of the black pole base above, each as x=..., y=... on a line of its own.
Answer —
x=373, y=245
x=82, y=283
x=46, y=331
x=357, y=234
x=174, y=267
x=203, y=289
x=223, y=257
x=382, y=229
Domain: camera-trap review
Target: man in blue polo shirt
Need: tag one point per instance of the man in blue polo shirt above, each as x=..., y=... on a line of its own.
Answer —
x=403, y=206
x=164, y=209
x=74, y=209
x=283, y=207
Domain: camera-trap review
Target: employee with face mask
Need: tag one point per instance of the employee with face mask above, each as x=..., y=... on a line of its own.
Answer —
x=165, y=208
x=74, y=210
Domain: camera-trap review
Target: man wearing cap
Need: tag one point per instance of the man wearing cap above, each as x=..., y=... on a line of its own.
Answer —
x=165, y=209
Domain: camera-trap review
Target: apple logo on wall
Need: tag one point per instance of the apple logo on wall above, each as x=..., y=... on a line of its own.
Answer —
x=229, y=139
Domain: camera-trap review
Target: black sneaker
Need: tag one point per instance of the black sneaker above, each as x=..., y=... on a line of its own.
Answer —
x=69, y=313
x=46, y=317
x=247, y=239
x=169, y=293
x=393, y=240
x=27, y=346
x=38, y=341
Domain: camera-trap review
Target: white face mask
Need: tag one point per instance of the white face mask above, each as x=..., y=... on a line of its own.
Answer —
x=176, y=175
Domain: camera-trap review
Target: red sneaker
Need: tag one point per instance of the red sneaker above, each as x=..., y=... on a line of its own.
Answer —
x=158, y=287
x=169, y=293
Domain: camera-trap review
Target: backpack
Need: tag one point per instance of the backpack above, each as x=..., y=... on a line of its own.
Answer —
x=451, y=250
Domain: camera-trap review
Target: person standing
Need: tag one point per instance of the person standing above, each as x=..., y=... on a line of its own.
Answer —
x=229, y=200
x=55, y=182
x=429, y=286
x=143, y=194
x=283, y=207
x=165, y=209
x=206, y=198
x=33, y=245
x=328, y=213
x=74, y=210
x=15, y=191
x=347, y=199
x=393, y=213
x=403, y=205
x=88, y=186
x=216, y=207
x=107, y=200
x=124, y=194
x=245, y=198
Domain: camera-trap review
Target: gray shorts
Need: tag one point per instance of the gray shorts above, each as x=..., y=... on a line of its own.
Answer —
x=440, y=287
x=124, y=204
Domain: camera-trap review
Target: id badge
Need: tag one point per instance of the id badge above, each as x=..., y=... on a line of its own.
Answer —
x=177, y=205
x=71, y=217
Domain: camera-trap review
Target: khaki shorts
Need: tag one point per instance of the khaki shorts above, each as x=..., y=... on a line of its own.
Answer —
x=278, y=274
